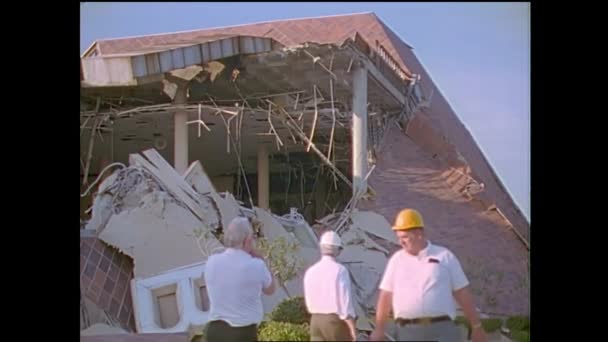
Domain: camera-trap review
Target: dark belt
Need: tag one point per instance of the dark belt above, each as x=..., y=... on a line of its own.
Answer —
x=422, y=320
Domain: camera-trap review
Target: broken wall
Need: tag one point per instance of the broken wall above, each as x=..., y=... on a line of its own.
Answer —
x=491, y=254
x=105, y=274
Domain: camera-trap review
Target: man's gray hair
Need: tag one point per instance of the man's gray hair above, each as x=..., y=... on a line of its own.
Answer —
x=236, y=233
x=330, y=250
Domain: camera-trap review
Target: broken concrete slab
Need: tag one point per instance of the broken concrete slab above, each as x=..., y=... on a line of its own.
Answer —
x=102, y=210
x=159, y=236
x=356, y=236
x=373, y=223
x=271, y=228
x=363, y=322
x=102, y=329
x=366, y=267
x=198, y=179
x=174, y=183
x=187, y=73
x=214, y=68
x=295, y=224
x=179, y=284
x=228, y=208
x=169, y=88
x=102, y=204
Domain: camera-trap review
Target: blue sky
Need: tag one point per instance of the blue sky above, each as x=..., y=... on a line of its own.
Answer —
x=477, y=53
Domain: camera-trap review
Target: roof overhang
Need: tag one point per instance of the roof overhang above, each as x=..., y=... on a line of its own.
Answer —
x=147, y=65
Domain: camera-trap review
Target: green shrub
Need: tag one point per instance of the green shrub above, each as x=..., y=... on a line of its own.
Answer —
x=518, y=323
x=281, y=331
x=462, y=321
x=491, y=325
x=291, y=310
x=520, y=336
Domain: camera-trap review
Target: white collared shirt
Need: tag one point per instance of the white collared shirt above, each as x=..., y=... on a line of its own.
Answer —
x=327, y=289
x=423, y=284
x=235, y=281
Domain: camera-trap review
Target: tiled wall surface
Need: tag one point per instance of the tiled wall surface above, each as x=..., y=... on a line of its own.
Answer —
x=105, y=274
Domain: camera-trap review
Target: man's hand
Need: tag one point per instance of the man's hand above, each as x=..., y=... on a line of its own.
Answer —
x=478, y=335
x=256, y=254
x=377, y=335
x=352, y=328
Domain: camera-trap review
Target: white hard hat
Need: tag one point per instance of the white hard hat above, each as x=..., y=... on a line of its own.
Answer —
x=331, y=238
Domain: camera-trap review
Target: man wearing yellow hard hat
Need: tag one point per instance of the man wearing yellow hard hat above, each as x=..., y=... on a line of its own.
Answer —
x=421, y=283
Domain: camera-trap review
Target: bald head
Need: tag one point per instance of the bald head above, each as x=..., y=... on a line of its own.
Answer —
x=237, y=232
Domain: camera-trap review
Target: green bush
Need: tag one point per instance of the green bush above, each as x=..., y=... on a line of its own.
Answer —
x=281, y=331
x=291, y=310
x=462, y=321
x=520, y=336
x=518, y=323
x=491, y=325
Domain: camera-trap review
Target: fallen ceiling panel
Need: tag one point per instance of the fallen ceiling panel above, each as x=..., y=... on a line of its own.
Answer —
x=373, y=223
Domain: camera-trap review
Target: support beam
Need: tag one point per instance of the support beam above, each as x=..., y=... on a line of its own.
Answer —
x=289, y=122
x=263, y=177
x=359, y=129
x=180, y=143
x=380, y=78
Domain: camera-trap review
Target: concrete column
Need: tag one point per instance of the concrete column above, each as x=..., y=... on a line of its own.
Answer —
x=359, y=130
x=263, y=177
x=320, y=191
x=180, y=136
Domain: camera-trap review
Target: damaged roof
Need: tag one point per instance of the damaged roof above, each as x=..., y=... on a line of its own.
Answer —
x=321, y=30
x=439, y=129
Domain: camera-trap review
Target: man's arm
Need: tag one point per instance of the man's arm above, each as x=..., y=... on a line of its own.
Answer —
x=464, y=298
x=352, y=327
x=385, y=299
x=383, y=308
x=267, y=290
x=346, y=302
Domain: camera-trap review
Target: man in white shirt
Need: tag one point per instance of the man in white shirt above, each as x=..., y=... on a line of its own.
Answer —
x=236, y=279
x=327, y=293
x=421, y=283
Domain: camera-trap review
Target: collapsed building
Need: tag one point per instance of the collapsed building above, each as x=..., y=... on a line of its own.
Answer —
x=301, y=125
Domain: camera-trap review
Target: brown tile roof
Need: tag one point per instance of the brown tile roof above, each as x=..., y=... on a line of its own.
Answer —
x=322, y=30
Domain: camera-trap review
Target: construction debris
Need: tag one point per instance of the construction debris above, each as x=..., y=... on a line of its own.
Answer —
x=102, y=329
x=168, y=224
x=373, y=223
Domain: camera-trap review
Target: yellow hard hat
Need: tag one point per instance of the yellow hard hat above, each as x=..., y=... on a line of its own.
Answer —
x=408, y=219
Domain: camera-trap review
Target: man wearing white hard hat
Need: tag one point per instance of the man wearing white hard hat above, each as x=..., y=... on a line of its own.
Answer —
x=327, y=293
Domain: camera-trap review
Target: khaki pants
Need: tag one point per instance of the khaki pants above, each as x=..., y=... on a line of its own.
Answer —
x=445, y=331
x=328, y=327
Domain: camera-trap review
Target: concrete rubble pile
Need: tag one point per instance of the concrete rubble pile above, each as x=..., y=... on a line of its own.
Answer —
x=168, y=223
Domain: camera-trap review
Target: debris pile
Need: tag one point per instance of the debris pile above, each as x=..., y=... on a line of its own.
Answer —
x=169, y=224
